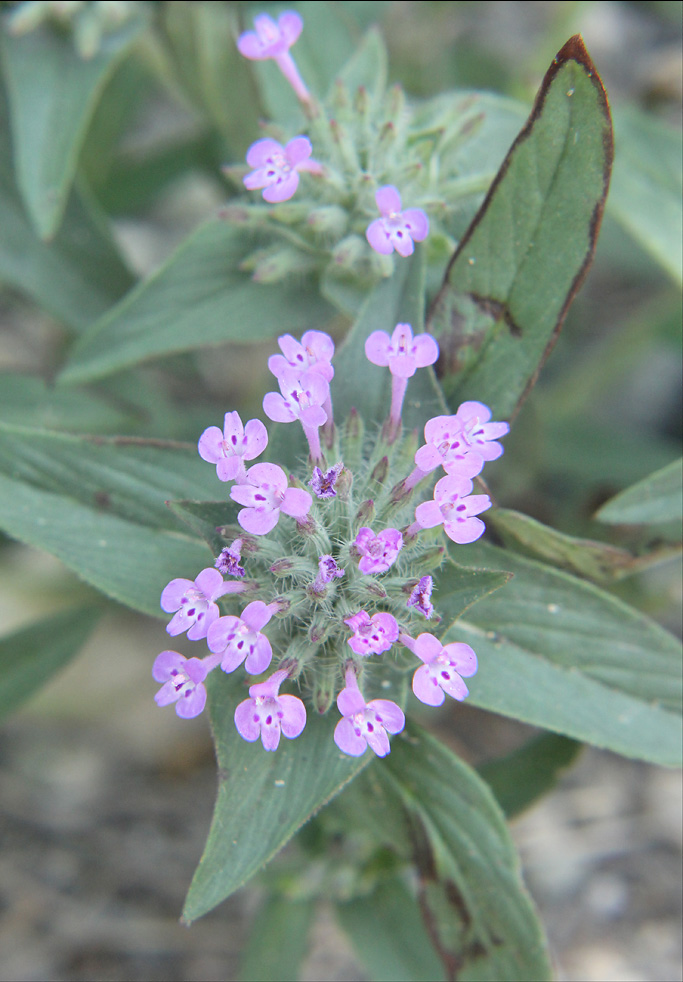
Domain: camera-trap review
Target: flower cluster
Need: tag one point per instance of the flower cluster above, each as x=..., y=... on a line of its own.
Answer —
x=338, y=589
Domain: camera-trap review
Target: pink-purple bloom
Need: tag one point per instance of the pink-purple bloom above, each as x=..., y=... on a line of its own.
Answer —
x=300, y=398
x=182, y=682
x=372, y=635
x=456, y=507
x=365, y=724
x=378, y=552
x=324, y=484
x=194, y=602
x=314, y=352
x=480, y=434
x=239, y=639
x=229, y=449
x=443, y=669
x=402, y=353
x=328, y=570
x=271, y=40
x=396, y=229
x=276, y=168
x=265, y=493
x=267, y=714
x=420, y=596
x=228, y=562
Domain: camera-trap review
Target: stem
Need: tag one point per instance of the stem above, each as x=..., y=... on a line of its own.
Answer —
x=288, y=68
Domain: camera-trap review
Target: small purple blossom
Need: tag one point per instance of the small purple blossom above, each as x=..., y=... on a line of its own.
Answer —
x=446, y=446
x=365, y=724
x=420, y=597
x=300, y=398
x=323, y=484
x=396, y=229
x=228, y=450
x=480, y=434
x=265, y=493
x=328, y=570
x=182, y=682
x=455, y=506
x=271, y=40
x=276, y=168
x=378, y=552
x=266, y=713
x=444, y=666
x=239, y=639
x=194, y=602
x=228, y=562
x=314, y=352
x=372, y=635
x=402, y=353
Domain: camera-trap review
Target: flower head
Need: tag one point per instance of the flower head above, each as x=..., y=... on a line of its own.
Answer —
x=479, y=434
x=396, y=229
x=328, y=569
x=402, y=353
x=239, y=639
x=276, y=168
x=315, y=352
x=265, y=493
x=228, y=450
x=455, y=507
x=228, y=562
x=323, y=484
x=446, y=446
x=194, y=602
x=444, y=666
x=420, y=597
x=267, y=714
x=270, y=40
x=378, y=552
x=365, y=724
x=182, y=680
x=372, y=635
x=301, y=397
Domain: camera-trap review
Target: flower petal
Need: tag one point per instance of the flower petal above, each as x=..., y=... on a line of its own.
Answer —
x=388, y=199
x=347, y=739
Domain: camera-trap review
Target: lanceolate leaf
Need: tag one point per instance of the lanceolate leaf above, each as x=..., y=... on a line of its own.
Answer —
x=52, y=93
x=657, y=498
x=522, y=260
x=278, y=940
x=198, y=297
x=559, y=653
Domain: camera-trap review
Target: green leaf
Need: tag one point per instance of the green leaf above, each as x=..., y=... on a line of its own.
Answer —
x=125, y=561
x=559, y=653
x=478, y=913
x=198, y=297
x=520, y=778
x=263, y=798
x=27, y=400
x=647, y=186
x=461, y=586
x=31, y=656
x=596, y=561
x=522, y=260
x=387, y=931
x=656, y=499
x=204, y=517
x=360, y=384
x=52, y=94
x=278, y=940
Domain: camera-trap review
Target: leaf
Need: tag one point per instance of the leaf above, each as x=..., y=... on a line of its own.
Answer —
x=657, y=498
x=647, y=186
x=386, y=929
x=559, y=653
x=459, y=587
x=28, y=400
x=31, y=656
x=52, y=94
x=522, y=260
x=277, y=941
x=360, y=384
x=520, y=778
x=125, y=561
x=198, y=297
x=263, y=798
x=477, y=911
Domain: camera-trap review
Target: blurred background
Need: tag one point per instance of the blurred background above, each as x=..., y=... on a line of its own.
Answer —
x=105, y=801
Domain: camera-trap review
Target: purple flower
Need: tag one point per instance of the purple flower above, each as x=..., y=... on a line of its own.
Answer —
x=228, y=562
x=455, y=506
x=401, y=352
x=267, y=714
x=372, y=635
x=396, y=229
x=446, y=446
x=302, y=398
x=365, y=724
x=265, y=494
x=228, y=450
x=240, y=638
x=194, y=602
x=314, y=353
x=444, y=666
x=271, y=40
x=328, y=570
x=277, y=167
x=479, y=434
x=182, y=680
x=420, y=597
x=378, y=552
x=323, y=484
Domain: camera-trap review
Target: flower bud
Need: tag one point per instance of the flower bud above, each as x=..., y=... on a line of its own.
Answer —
x=365, y=513
x=275, y=265
x=330, y=220
x=380, y=471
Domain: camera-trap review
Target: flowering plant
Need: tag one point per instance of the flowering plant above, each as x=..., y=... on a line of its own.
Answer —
x=344, y=592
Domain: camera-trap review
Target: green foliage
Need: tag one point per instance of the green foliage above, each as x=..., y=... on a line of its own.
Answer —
x=654, y=500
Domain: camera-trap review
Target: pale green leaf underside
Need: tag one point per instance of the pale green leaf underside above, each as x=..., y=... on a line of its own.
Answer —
x=657, y=498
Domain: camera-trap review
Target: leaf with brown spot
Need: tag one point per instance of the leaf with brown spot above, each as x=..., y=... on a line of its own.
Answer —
x=516, y=271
